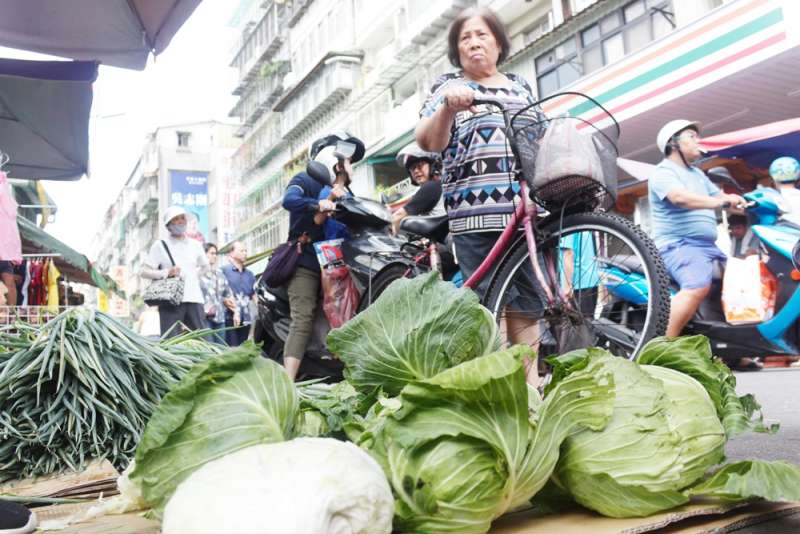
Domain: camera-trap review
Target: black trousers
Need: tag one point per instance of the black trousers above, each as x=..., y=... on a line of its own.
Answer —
x=190, y=314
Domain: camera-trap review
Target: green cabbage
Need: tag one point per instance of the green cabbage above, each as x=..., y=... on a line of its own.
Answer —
x=224, y=404
x=417, y=328
x=460, y=448
x=667, y=431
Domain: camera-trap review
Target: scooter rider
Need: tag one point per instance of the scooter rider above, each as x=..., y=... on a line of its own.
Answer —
x=425, y=169
x=302, y=201
x=785, y=171
x=682, y=204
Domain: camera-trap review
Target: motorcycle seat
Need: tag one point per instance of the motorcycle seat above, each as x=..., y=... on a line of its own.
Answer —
x=431, y=226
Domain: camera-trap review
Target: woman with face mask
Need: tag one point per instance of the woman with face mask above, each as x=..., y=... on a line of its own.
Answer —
x=187, y=261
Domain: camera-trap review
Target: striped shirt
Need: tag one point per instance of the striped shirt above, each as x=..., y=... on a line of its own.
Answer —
x=478, y=184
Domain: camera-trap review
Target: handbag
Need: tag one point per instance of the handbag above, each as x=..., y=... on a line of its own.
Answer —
x=166, y=291
x=283, y=262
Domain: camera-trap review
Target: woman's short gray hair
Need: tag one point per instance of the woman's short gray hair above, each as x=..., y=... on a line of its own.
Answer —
x=491, y=20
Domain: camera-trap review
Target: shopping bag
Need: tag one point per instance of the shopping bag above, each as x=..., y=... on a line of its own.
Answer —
x=565, y=152
x=340, y=295
x=748, y=291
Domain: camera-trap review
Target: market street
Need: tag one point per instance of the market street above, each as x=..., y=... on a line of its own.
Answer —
x=778, y=392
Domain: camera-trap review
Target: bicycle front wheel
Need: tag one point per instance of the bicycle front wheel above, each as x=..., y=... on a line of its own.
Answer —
x=615, y=288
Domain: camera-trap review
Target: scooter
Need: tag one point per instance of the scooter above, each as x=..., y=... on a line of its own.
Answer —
x=780, y=249
x=375, y=259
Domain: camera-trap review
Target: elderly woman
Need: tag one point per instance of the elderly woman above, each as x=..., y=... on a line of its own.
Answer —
x=479, y=189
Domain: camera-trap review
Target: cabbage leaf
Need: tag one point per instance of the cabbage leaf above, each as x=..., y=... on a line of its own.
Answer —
x=459, y=448
x=691, y=355
x=224, y=404
x=748, y=479
x=417, y=328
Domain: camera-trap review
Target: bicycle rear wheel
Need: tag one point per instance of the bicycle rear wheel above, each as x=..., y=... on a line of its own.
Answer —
x=617, y=285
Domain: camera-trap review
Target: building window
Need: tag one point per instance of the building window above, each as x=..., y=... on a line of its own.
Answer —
x=539, y=28
x=604, y=42
x=183, y=139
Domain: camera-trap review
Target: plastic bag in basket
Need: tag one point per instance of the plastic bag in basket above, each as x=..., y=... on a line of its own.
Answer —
x=565, y=152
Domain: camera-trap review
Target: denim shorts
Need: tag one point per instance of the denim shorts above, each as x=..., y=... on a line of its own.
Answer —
x=472, y=248
x=690, y=261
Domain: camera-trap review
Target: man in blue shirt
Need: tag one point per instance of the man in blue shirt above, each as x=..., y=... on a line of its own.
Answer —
x=242, y=282
x=682, y=204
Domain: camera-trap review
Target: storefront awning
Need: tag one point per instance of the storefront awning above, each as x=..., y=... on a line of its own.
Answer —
x=387, y=152
x=121, y=33
x=732, y=69
x=758, y=146
x=73, y=265
x=44, y=117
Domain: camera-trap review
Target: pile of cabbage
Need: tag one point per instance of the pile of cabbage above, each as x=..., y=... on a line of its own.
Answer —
x=444, y=434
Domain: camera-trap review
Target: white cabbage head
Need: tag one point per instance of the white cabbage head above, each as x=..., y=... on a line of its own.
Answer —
x=302, y=486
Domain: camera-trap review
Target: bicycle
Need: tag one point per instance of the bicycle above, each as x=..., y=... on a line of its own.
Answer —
x=556, y=312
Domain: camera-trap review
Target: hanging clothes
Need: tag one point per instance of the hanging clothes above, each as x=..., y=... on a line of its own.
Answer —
x=36, y=289
x=52, y=286
x=10, y=243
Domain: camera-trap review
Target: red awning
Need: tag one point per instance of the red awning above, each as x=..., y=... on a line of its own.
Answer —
x=749, y=135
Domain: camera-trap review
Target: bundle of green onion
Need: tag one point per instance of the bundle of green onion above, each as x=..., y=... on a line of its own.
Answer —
x=79, y=387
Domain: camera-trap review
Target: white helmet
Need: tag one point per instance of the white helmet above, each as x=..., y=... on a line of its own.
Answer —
x=327, y=157
x=671, y=128
x=172, y=212
x=412, y=153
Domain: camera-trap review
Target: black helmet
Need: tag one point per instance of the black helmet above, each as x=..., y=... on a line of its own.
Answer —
x=335, y=137
x=412, y=153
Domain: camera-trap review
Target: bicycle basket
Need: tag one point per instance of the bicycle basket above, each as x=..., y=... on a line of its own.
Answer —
x=573, y=165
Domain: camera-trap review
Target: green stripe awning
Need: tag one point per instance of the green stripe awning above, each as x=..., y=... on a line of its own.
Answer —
x=390, y=150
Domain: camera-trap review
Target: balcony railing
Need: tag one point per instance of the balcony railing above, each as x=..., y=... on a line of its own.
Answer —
x=265, y=92
x=260, y=45
x=326, y=84
x=296, y=11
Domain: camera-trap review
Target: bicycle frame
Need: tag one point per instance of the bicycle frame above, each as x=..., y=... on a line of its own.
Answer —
x=524, y=215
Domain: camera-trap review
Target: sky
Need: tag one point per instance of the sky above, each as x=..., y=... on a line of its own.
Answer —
x=190, y=81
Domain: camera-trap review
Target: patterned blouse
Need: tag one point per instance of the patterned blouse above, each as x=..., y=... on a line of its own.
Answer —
x=477, y=181
x=215, y=288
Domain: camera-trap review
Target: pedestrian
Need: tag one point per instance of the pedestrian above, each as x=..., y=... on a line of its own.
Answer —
x=682, y=204
x=216, y=293
x=242, y=283
x=477, y=162
x=176, y=255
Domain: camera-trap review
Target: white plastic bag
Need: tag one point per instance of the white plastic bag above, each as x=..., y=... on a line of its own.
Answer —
x=565, y=152
x=748, y=291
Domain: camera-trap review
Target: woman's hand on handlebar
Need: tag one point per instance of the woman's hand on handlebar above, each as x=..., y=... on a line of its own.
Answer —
x=459, y=98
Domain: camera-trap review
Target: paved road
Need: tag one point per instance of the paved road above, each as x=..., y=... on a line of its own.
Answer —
x=778, y=391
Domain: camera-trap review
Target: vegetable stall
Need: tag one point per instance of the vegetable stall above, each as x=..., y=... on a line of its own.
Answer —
x=433, y=430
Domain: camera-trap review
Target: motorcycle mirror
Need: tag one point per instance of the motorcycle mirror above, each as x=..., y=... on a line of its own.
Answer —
x=721, y=175
x=319, y=172
x=344, y=150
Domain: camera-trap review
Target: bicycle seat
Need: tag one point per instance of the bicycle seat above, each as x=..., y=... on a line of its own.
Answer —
x=431, y=226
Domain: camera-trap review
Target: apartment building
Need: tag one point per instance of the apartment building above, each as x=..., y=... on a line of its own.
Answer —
x=306, y=66
x=184, y=164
